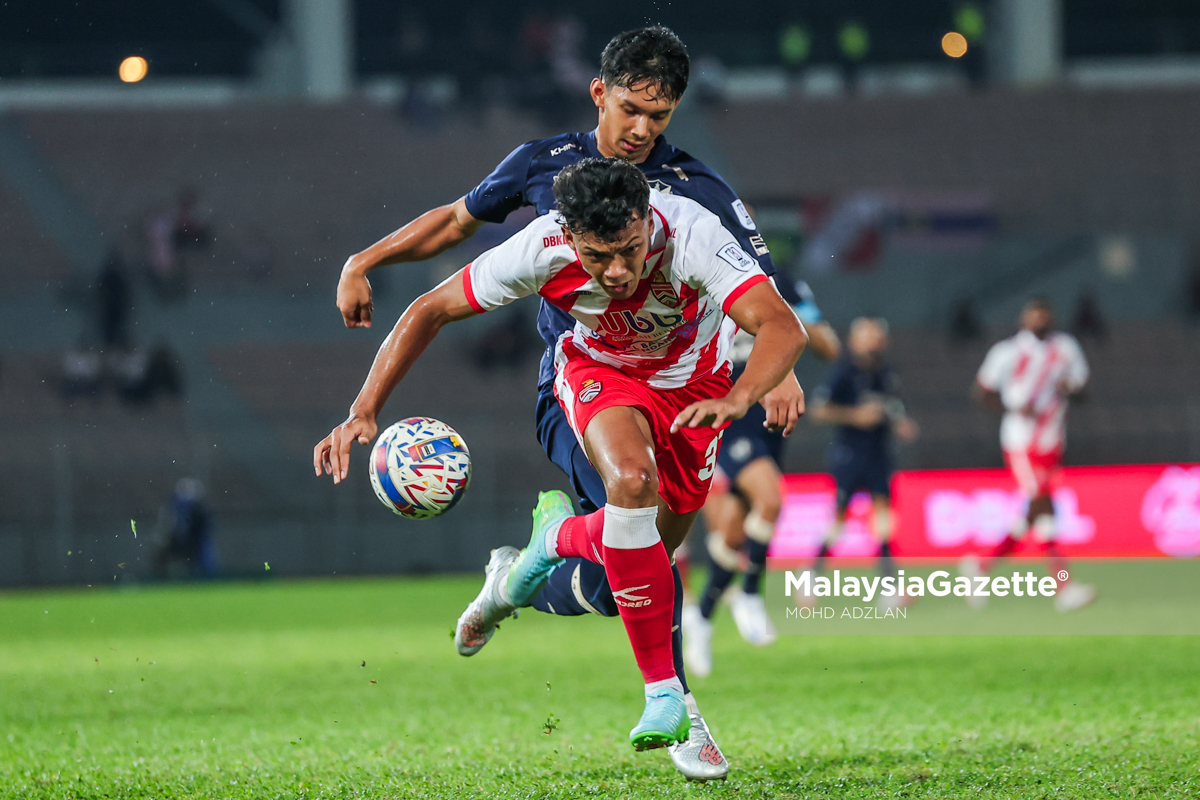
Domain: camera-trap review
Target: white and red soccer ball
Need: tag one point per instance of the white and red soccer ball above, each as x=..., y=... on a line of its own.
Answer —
x=420, y=467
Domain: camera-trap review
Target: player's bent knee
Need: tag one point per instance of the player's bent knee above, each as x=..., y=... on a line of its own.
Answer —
x=635, y=485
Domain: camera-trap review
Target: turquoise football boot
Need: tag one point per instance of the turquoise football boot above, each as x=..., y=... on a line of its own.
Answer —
x=531, y=569
x=664, y=722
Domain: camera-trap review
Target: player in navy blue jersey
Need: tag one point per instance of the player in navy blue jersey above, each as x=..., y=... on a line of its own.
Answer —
x=643, y=74
x=744, y=505
x=861, y=399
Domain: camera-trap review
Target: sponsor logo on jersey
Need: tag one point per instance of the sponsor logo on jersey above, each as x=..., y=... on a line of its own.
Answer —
x=554, y=241
x=627, y=598
x=760, y=244
x=590, y=391
x=678, y=171
x=659, y=186
x=736, y=257
x=663, y=290
x=743, y=215
x=564, y=148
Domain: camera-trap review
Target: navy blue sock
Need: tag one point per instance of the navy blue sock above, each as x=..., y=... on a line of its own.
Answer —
x=822, y=554
x=719, y=579
x=677, y=629
x=752, y=577
x=575, y=587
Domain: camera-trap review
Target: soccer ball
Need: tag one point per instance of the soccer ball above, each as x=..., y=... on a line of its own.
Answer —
x=420, y=467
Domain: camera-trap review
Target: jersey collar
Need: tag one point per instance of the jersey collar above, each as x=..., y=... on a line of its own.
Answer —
x=589, y=141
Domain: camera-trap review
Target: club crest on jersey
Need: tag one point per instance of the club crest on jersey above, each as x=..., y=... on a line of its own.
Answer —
x=663, y=290
x=660, y=186
x=590, y=390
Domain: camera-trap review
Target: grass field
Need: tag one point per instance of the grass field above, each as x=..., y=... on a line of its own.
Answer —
x=260, y=691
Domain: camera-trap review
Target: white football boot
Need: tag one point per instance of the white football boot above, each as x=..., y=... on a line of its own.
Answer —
x=699, y=758
x=750, y=615
x=1074, y=596
x=969, y=568
x=478, y=623
x=697, y=642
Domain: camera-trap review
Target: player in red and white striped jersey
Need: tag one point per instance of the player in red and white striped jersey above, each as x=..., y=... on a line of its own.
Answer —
x=644, y=381
x=664, y=331
x=1030, y=379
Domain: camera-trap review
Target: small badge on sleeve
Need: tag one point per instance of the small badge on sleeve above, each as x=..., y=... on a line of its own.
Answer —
x=736, y=257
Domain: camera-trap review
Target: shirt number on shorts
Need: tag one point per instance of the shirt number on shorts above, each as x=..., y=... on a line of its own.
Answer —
x=710, y=458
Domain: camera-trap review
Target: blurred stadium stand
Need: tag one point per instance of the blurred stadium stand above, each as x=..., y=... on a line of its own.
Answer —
x=1070, y=191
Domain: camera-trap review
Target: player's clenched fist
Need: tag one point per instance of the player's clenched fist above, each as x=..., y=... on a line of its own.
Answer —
x=332, y=454
x=354, y=297
x=784, y=405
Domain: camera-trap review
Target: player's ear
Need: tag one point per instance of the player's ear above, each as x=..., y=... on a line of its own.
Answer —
x=597, y=91
x=568, y=238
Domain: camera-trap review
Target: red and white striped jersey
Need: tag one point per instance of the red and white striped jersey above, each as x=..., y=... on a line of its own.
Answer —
x=1027, y=371
x=667, y=332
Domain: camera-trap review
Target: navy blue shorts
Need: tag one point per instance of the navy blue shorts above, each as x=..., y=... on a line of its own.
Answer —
x=869, y=471
x=559, y=442
x=746, y=440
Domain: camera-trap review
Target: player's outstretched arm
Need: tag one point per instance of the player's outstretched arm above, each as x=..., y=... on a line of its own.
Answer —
x=415, y=329
x=779, y=339
x=429, y=234
x=823, y=341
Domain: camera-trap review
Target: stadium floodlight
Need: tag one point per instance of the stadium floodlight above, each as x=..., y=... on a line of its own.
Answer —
x=133, y=69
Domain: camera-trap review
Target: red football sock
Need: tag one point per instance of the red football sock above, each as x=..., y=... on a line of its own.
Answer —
x=1001, y=550
x=639, y=572
x=582, y=537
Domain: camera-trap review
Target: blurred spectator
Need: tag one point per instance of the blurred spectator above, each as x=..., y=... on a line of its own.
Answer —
x=964, y=321
x=142, y=377
x=167, y=234
x=114, y=302
x=479, y=62
x=1089, y=320
x=707, y=85
x=187, y=549
x=555, y=75
x=82, y=371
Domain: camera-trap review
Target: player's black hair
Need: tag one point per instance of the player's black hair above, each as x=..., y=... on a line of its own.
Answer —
x=601, y=197
x=653, y=55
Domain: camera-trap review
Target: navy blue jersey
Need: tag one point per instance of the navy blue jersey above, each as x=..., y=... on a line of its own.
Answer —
x=850, y=385
x=526, y=178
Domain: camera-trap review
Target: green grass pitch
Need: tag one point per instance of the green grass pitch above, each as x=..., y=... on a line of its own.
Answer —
x=330, y=689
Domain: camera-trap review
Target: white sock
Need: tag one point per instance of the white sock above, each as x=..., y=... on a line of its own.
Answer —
x=693, y=707
x=552, y=539
x=669, y=683
x=630, y=528
x=758, y=528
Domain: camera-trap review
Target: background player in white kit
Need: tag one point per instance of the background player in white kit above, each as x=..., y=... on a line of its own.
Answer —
x=1030, y=379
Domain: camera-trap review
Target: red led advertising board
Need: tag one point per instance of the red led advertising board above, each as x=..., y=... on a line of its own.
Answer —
x=1144, y=510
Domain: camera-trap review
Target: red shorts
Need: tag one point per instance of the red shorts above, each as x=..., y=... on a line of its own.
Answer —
x=686, y=460
x=1035, y=472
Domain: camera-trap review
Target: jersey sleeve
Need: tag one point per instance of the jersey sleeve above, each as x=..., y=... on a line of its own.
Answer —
x=718, y=197
x=1077, y=372
x=503, y=191
x=995, y=368
x=716, y=261
x=509, y=271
